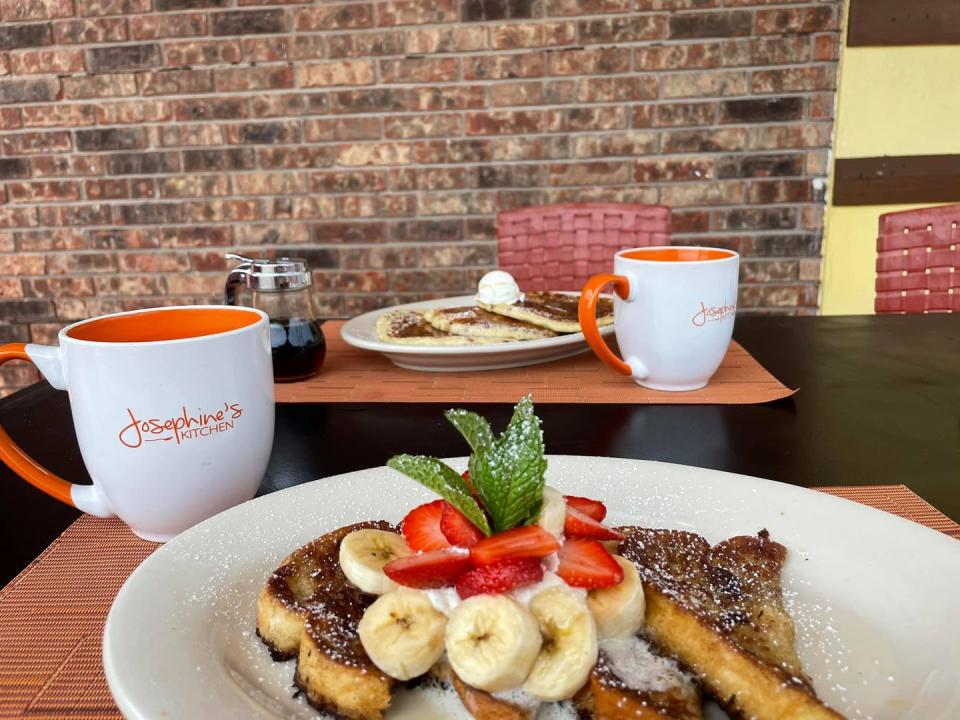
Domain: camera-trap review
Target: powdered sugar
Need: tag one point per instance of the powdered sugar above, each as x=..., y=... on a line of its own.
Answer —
x=639, y=668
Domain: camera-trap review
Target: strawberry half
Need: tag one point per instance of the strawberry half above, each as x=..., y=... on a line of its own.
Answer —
x=580, y=525
x=428, y=570
x=531, y=541
x=594, y=508
x=499, y=577
x=587, y=564
x=457, y=529
x=421, y=527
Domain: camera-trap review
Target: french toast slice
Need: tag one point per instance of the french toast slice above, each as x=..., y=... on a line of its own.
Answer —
x=309, y=610
x=719, y=610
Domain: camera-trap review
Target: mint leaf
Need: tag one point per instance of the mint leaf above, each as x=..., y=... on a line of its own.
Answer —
x=474, y=428
x=508, y=473
x=443, y=480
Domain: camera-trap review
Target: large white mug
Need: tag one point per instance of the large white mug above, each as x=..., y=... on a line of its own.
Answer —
x=173, y=410
x=673, y=314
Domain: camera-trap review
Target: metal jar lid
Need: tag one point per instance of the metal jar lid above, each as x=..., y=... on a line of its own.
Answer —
x=271, y=274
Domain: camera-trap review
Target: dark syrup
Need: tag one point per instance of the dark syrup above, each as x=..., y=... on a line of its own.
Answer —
x=298, y=348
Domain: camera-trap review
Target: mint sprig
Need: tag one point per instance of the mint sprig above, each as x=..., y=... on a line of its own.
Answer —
x=443, y=480
x=474, y=428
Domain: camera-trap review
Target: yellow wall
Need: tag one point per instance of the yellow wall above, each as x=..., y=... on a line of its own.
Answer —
x=891, y=101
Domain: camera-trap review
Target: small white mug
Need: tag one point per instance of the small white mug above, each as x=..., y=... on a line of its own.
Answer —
x=673, y=314
x=173, y=410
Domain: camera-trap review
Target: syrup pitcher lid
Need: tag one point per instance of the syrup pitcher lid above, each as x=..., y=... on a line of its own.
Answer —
x=271, y=274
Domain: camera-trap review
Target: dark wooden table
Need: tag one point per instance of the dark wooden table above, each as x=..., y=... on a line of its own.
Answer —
x=879, y=403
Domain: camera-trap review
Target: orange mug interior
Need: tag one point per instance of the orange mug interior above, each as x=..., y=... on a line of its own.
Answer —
x=677, y=254
x=161, y=324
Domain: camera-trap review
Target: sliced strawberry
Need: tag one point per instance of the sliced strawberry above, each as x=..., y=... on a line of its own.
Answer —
x=499, y=577
x=587, y=564
x=436, y=569
x=594, y=508
x=580, y=525
x=457, y=529
x=421, y=527
x=531, y=541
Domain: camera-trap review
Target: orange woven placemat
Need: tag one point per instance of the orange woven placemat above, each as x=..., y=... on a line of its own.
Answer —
x=52, y=613
x=353, y=375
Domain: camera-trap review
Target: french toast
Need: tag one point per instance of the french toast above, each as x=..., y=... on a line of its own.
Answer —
x=479, y=323
x=309, y=610
x=552, y=310
x=409, y=327
x=719, y=610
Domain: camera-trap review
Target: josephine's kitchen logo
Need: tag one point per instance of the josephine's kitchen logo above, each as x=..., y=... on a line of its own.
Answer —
x=180, y=427
x=715, y=313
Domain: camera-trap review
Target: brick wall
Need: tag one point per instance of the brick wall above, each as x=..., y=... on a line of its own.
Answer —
x=141, y=139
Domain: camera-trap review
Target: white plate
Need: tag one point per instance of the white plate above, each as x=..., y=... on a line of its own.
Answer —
x=361, y=332
x=874, y=596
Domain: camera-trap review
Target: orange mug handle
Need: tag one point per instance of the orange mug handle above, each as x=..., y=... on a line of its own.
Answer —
x=587, y=313
x=16, y=459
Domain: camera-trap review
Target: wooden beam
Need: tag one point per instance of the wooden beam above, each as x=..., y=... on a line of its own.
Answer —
x=903, y=22
x=896, y=180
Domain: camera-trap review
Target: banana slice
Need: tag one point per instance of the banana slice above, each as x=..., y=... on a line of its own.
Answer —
x=569, y=646
x=492, y=642
x=618, y=611
x=402, y=633
x=553, y=513
x=363, y=553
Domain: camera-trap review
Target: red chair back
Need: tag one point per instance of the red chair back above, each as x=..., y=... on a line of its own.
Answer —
x=558, y=247
x=918, y=256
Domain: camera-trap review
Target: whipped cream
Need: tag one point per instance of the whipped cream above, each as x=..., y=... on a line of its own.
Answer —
x=498, y=288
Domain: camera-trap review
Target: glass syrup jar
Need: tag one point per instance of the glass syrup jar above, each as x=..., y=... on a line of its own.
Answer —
x=281, y=288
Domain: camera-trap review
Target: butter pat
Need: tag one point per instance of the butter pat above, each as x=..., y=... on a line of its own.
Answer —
x=498, y=288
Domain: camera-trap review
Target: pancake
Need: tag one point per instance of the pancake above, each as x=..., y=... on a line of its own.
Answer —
x=552, y=310
x=408, y=327
x=476, y=322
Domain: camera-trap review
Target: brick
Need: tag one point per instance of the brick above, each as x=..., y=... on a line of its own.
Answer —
x=521, y=148
x=202, y=52
x=766, y=51
x=585, y=7
x=453, y=151
x=139, y=111
x=264, y=133
x=107, y=189
x=769, y=271
x=687, y=56
x=377, y=100
x=341, y=181
x=779, y=137
x=341, y=72
x=761, y=110
x=130, y=285
x=195, y=236
x=18, y=217
x=91, y=30
x=705, y=84
x=353, y=281
x=446, y=39
x=796, y=20
x=410, y=70
x=826, y=47
x=421, y=280
x=594, y=61
x=274, y=105
x=222, y=210
x=682, y=114
x=88, y=262
x=151, y=27
x=673, y=169
x=112, y=7
x=229, y=159
x=378, y=257
x=734, y=166
x=191, y=135
x=259, y=50
x=635, y=28
x=118, y=238
x=58, y=287
x=390, y=42
x=297, y=157
x=484, y=10
x=111, y=139
x=458, y=255
x=419, y=126
x=365, y=128
x=35, y=142
x=418, y=12
x=20, y=10
x=218, y=108
x=74, y=215
x=618, y=89
x=590, y=173
x=267, y=183
x=24, y=36
x=780, y=191
x=712, y=140
x=10, y=288
x=727, y=23
x=702, y=193
x=504, y=122
x=456, y=204
x=153, y=262
x=166, y=5
x=181, y=186
x=14, y=168
x=586, y=118
x=60, y=165
x=754, y=219
x=176, y=82
x=448, y=97
x=57, y=115
x=149, y=163
x=252, y=22
x=500, y=176
x=96, y=86
x=21, y=264
x=550, y=92
x=26, y=91
x=333, y=16
x=259, y=78
x=385, y=206
x=373, y=154
x=795, y=79
x=301, y=208
x=46, y=191
x=501, y=67
x=10, y=118
x=155, y=214
x=614, y=144
x=124, y=57
x=46, y=62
